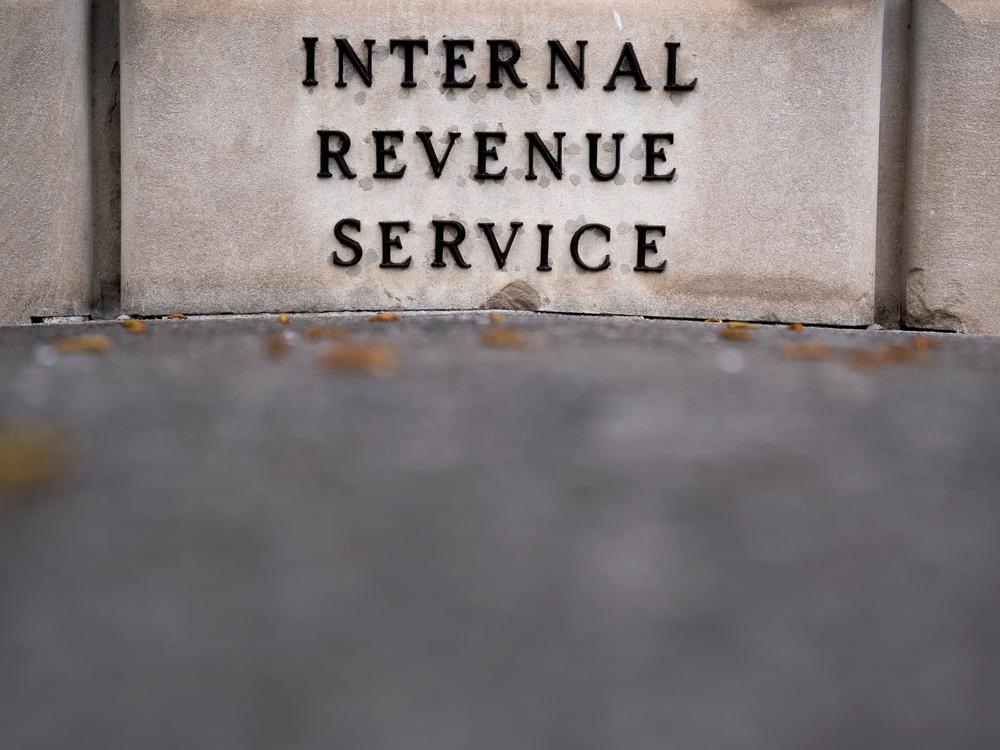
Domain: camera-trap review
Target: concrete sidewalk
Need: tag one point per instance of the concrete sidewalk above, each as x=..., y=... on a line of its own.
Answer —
x=452, y=532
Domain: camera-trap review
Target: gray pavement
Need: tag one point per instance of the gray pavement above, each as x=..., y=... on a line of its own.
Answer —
x=616, y=533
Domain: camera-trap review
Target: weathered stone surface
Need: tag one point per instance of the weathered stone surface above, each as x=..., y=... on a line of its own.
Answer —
x=771, y=214
x=953, y=221
x=45, y=233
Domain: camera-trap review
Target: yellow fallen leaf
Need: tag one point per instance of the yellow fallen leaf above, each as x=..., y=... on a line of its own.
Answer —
x=372, y=357
x=384, y=317
x=31, y=458
x=496, y=317
x=714, y=319
x=736, y=325
x=284, y=319
x=134, y=326
x=95, y=342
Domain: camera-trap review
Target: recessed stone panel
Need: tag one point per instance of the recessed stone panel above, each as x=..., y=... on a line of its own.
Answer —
x=953, y=196
x=45, y=180
x=773, y=155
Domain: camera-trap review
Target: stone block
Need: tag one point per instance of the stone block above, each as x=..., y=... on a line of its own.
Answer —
x=953, y=201
x=771, y=213
x=45, y=236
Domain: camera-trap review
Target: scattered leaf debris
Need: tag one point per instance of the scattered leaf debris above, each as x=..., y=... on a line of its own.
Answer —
x=277, y=346
x=714, y=319
x=796, y=327
x=372, y=357
x=284, y=319
x=134, y=326
x=97, y=343
x=327, y=332
x=384, y=317
x=32, y=458
x=177, y=316
x=502, y=338
x=807, y=350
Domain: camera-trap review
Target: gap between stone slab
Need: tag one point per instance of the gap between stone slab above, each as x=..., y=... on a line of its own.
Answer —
x=81, y=319
x=482, y=311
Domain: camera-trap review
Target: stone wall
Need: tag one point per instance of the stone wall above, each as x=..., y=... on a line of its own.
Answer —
x=771, y=215
x=833, y=163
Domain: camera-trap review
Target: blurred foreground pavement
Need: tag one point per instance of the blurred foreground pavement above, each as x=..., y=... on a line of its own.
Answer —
x=548, y=532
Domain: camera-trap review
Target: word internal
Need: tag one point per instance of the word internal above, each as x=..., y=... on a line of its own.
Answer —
x=504, y=55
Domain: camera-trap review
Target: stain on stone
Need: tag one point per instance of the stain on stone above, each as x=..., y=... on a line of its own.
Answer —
x=518, y=295
x=575, y=179
x=359, y=98
x=921, y=314
x=366, y=184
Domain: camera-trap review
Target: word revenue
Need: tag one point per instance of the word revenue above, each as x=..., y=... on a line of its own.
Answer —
x=504, y=55
x=449, y=237
x=335, y=144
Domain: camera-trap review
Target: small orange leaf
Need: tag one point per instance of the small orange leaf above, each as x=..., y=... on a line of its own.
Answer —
x=284, y=319
x=797, y=327
x=714, y=319
x=736, y=334
x=501, y=338
x=384, y=317
x=371, y=357
x=96, y=342
x=496, y=317
x=177, y=316
x=134, y=326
